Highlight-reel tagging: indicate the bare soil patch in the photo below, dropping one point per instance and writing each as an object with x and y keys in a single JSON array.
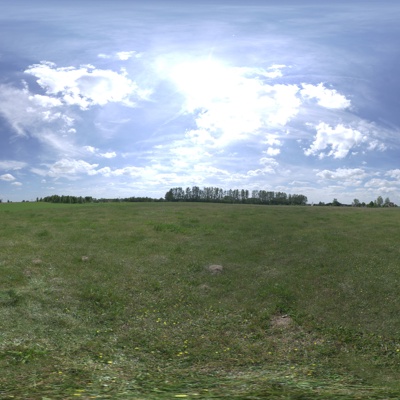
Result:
[
  {"x": 281, "y": 321},
  {"x": 215, "y": 269}
]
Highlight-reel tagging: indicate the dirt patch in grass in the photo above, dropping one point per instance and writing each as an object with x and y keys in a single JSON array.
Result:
[
  {"x": 215, "y": 269},
  {"x": 281, "y": 321}
]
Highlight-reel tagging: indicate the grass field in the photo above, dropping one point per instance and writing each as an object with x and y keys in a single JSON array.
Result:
[{"x": 115, "y": 301}]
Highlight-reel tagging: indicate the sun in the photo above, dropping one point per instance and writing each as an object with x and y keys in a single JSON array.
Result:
[{"x": 202, "y": 81}]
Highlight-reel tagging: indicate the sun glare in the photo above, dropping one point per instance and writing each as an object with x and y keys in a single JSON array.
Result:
[{"x": 203, "y": 80}]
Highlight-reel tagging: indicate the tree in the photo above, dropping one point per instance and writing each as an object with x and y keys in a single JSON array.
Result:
[
  {"x": 336, "y": 203},
  {"x": 387, "y": 202},
  {"x": 379, "y": 201},
  {"x": 356, "y": 203}
]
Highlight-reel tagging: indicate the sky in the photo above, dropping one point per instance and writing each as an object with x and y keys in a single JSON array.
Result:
[{"x": 132, "y": 98}]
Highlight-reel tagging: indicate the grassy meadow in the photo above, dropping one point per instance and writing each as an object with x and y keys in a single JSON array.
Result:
[{"x": 115, "y": 301}]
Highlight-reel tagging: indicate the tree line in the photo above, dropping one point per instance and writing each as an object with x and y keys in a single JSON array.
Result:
[
  {"x": 218, "y": 195},
  {"x": 379, "y": 202},
  {"x": 55, "y": 198}
]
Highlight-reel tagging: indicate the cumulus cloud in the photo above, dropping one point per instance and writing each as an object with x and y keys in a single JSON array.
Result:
[
  {"x": 394, "y": 173},
  {"x": 95, "y": 151},
  {"x": 272, "y": 140},
  {"x": 86, "y": 86},
  {"x": 376, "y": 183},
  {"x": 90, "y": 149},
  {"x": 383, "y": 185},
  {"x": 269, "y": 166},
  {"x": 126, "y": 55},
  {"x": 45, "y": 101},
  {"x": 69, "y": 168},
  {"x": 328, "y": 98},
  {"x": 345, "y": 176},
  {"x": 7, "y": 177},
  {"x": 339, "y": 139},
  {"x": 231, "y": 104},
  {"x": 273, "y": 151},
  {"x": 110, "y": 154},
  {"x": 16, "y": 183}
]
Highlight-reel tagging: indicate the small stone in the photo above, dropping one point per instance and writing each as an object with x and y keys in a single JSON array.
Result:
[{"x": 85, "y": 258}]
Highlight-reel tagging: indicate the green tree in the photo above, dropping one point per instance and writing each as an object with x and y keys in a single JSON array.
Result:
[
  {"x": 169, "y": 196},
  {"x": 379, "y": 201}
]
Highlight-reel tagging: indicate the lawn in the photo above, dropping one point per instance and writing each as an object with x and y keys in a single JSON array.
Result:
[{"x": 116, "y": 301}]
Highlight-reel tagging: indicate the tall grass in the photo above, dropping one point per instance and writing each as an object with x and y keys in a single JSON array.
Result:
[{"x": 116, "y": 301}]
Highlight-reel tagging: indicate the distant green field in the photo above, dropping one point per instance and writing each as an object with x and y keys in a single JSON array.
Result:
[{"x": 115, "y": 301}]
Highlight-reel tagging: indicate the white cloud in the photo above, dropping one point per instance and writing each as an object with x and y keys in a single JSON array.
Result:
[
  {"x": 105, "y": 171},
  {"x": 68, "y": 168},
  {"x": 125, "y": 55},
  {"x": 261, "y": 171},
  {"x": 328, "y": 98},
  {"x": 7, "y": 177},
  {"x": 90, "y": 149},
  {"x": 386, "y": 185},
  {"x": 272, "y": 140},
  {"x": 110, "y": 154},
  {"x": 29, "y": 117},
  {"x": 45, "y": 101},
  {"x": 394, "y": 173},
  {"x": 274, "y": 71},
  {"x": 150, "y": 175},
  {"x": 376, "y": 183},
  {"x": 339, "y": 139},
  {"x": 376, "y": 145},
  {"x": 86, "y": 86},
  {"x": 17, "y": 184},
  {"x": 187, "y": 153},
  {"x": 344, "y": 176},
  {"x": 95, "y": 151},
  {"x": 12, "y": 165},
  {"x": 120, "y": 55},
  {"x": 273, "y": 151},
  {"x": 14, "y": 104},
  {"x": 269, "y": 167},
  {"x": 231, "y": 104}
]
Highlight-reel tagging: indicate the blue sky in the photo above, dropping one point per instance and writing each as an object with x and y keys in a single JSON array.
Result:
[{"x": 129, "y": 98}]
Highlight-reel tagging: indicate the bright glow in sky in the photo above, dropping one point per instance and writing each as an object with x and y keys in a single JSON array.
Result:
[{"x": 121, "y": 99}]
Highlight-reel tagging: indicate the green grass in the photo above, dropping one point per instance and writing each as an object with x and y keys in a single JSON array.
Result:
[{"x": 115, "y": 301}]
